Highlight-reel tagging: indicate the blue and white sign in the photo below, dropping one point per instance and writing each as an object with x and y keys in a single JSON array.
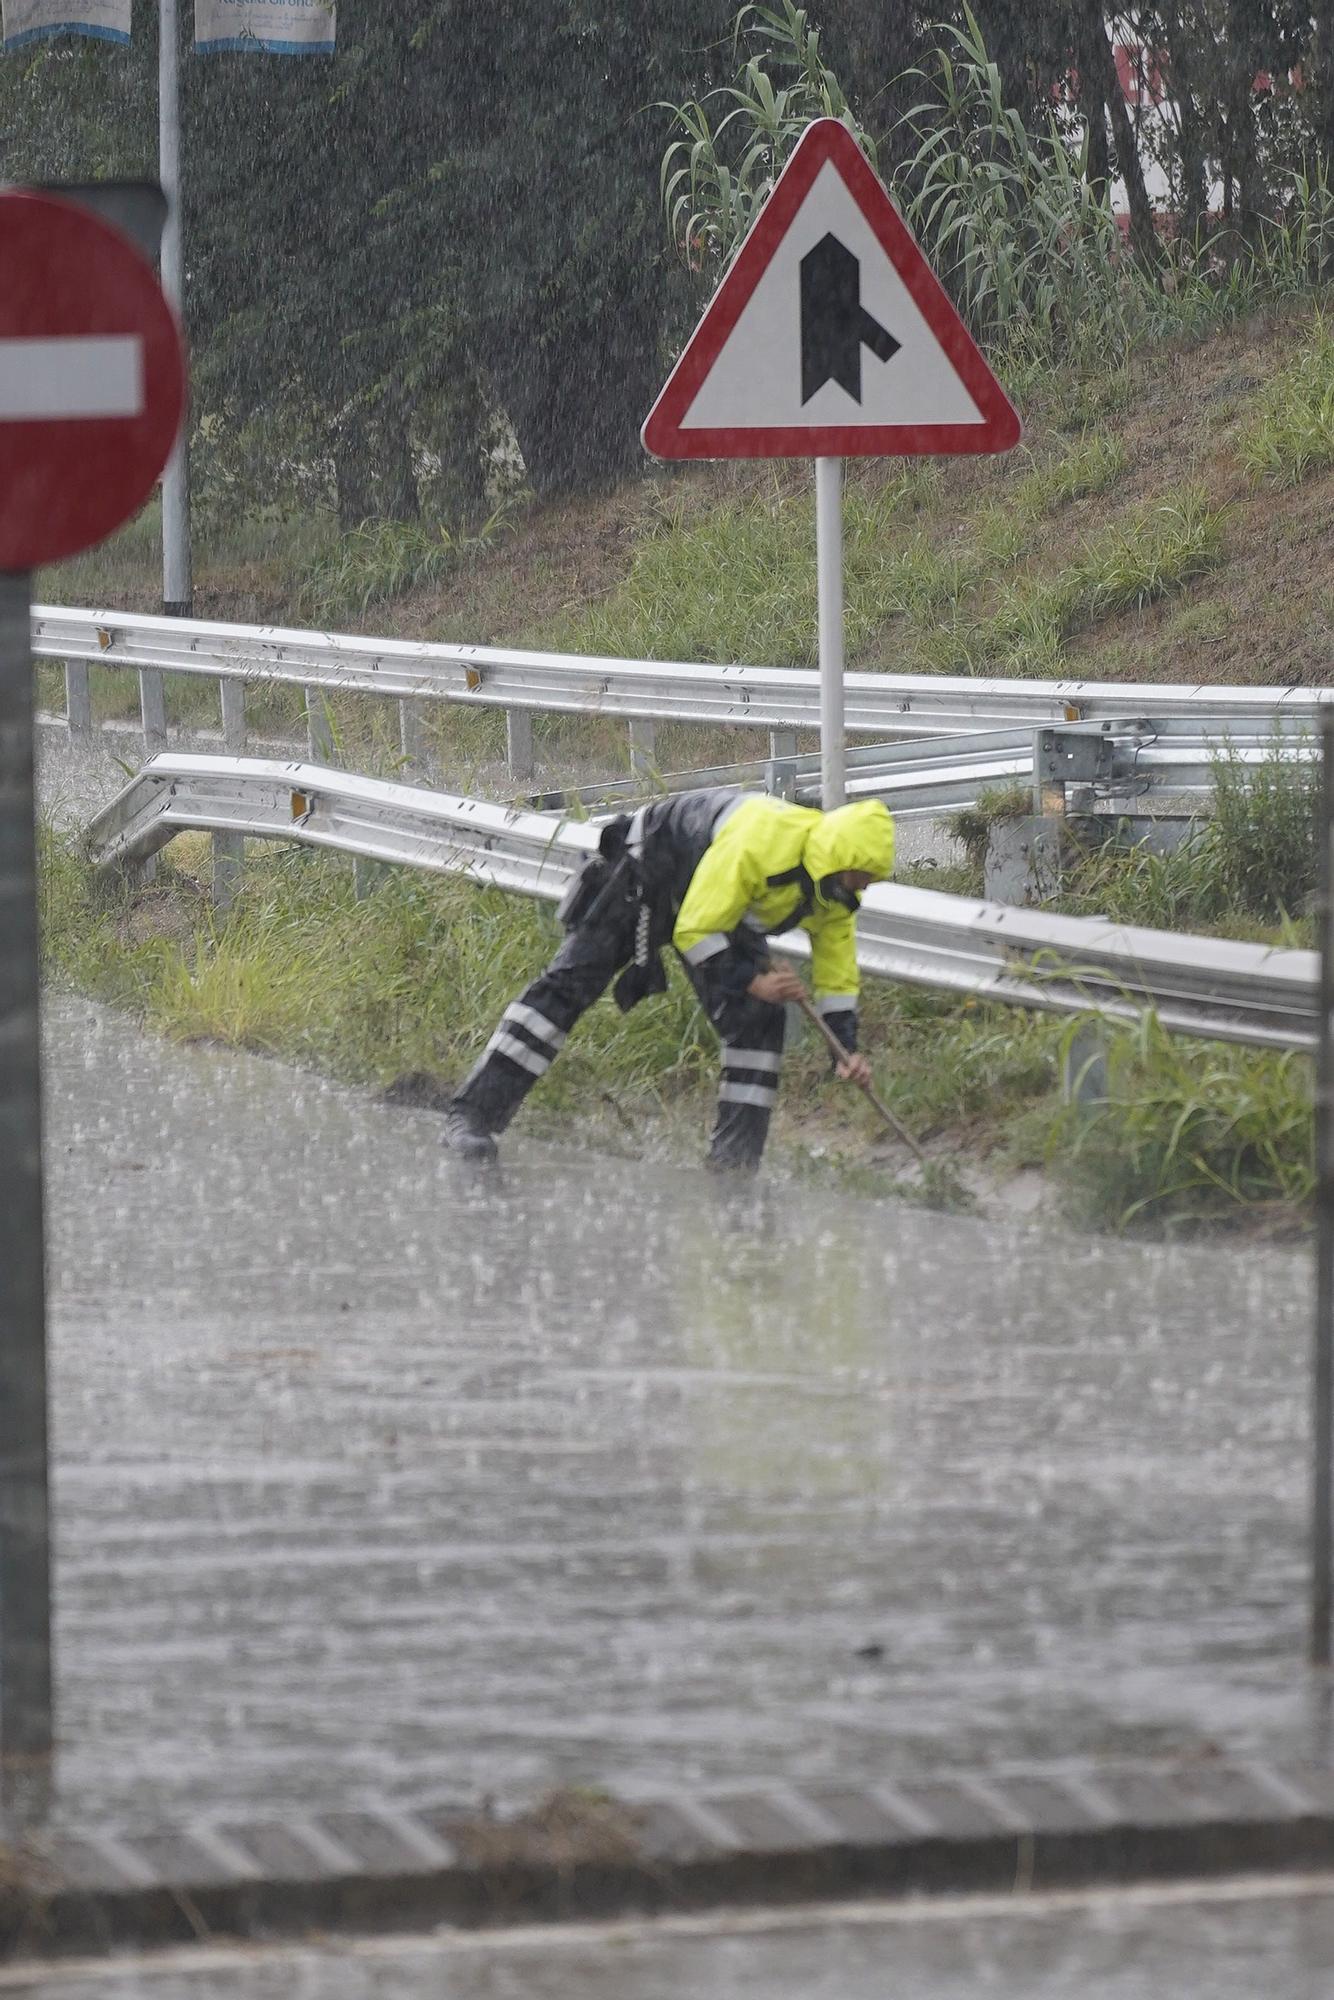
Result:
[
  {"x": 265, "y": 27},
  {"x": 37, "y": 20}
]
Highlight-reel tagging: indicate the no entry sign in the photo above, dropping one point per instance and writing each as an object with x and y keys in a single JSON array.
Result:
[{"x": 92, "y": 379}]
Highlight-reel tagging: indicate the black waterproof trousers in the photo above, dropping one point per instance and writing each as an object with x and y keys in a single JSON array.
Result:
[{"x": 533, "y": 1028}]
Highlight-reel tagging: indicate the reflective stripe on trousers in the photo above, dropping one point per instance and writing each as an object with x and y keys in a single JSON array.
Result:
[
  {"x": 533, "y": 1028},
  {"x": 752, "y": 1057}
]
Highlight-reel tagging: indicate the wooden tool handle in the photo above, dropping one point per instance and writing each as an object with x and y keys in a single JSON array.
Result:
[{"x": 840, "y": 1054}]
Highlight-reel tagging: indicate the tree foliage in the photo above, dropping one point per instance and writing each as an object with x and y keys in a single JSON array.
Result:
[{"x": 456, "y": 223}]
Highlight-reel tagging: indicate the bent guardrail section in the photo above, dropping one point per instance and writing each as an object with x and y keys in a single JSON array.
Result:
[{"x": 1211, "y": 987}]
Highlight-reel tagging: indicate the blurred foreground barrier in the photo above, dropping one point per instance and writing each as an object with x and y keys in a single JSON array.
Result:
[{"x": 1212, "y": 987}]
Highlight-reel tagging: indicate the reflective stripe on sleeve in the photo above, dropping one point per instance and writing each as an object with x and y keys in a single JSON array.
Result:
[
  {"x": 764, "y": 1095},
  {"x": 519, "y": 1052},
  {"x": 837, "y": 1003},
  {"x": 734, "y": 1058},
  {"x": 537, "y": 1024},
  {"x": 708, "y": 947}
]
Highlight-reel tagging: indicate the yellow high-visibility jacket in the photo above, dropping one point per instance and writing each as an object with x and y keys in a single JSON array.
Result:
[{"x": 748, "y": 880}]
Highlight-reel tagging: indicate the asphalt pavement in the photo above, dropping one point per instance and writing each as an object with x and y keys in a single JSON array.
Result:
[{"x": 375, "y": 1483}]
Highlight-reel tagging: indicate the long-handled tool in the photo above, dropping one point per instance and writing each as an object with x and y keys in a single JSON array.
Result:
[{"x": 840, "y": 1054}]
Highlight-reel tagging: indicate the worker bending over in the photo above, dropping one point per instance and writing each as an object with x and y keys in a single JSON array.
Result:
[{"x": 715, "y": 873}]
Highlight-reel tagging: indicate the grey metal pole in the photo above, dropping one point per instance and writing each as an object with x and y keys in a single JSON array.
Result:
[
  {"x": 1322, "y": 1456},
  {"x": 829, "y": 573},
  {"x": 25, "y": 1547},
  {"x": 177, "y": 582}
]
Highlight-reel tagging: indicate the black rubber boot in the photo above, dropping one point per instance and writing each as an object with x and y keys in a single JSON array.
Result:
[{"x": 467, "y": 1140}]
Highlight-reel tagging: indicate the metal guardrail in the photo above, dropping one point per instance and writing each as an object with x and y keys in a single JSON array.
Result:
[
  {"x": 779, "y": 699},
  {"x": 1211, "y": 987},
  {"x": 1102, "y": 767}
]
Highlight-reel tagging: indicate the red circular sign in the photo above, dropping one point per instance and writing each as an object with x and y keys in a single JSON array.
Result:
[{"x": 92, "y": 379}]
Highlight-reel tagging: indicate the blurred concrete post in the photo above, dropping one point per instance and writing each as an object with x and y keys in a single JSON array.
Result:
[
  {"x": 25, "y": 1547},
  {"x": 1322, "y": 1414},
  {"x": 177, "y": 579}
]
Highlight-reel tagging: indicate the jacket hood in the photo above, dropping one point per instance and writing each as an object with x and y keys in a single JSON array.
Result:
[{"x": 858, "y": 836}]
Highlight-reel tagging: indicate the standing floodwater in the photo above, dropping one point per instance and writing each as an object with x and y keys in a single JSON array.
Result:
[{"x": 373, "y": 1480}]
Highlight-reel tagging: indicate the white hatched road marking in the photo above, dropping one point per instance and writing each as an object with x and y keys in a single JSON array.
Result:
[{"x": 71, "y": 376}]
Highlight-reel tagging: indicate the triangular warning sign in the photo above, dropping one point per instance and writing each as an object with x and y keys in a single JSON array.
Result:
[{"x": 830, "y": 335}]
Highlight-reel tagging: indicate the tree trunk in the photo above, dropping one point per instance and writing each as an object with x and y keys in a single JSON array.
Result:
[
  {"x": 1324, "y": 84},
  {"x": 1192, "y": 151},
  {"x": 1092, "y": 95},
  {"x": 1245, "y": 60},
  {"x": 399, "y": 499},
  {"x": 352, "y": 468},
  {"x": 1143, "y": 235}
]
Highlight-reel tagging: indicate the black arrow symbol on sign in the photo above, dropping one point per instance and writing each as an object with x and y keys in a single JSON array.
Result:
[{"x": 835, "y": 326}]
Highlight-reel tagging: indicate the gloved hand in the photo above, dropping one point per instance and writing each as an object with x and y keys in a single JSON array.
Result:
[{"x": 778, "y": 984}]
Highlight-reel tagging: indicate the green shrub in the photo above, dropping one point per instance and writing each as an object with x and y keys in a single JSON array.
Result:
[
  {"x": 1188, "y": 1133},
  {"x": 1293, "y": 433},
  {"x": 383, "y": 559},
  {"x": 716, "y": 176},
  {"x": 1008, "y": 218},
  {"x": 1263, "y": 838},
  {"x": 1253, "y": 858},
  {"x": 1091, "y": 465}
]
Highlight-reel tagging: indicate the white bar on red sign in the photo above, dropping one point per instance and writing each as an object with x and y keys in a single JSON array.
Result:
[{"x": 83, "y": 375}]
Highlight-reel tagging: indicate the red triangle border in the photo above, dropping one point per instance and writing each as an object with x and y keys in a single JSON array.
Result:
[{"x": 829, "y": 140}]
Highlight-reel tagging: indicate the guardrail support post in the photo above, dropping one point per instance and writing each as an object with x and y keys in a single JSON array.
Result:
[
  {"x": 783, "y": 784},
  {"x": 643, "y": 754},
  {"x": 1084, "y": 1065},
  {"x": 412, "y": 736},
  {"x": 319, "y": 728},
  {"x": 367, "y": 874},
  {"x": 78, "y": 698},
  {"x": 232, "y": 696},
  {"x": 228, "y": 859},
  {"x": 229, "y": 848},
  {"x": 153, "y": 710},
  {"x": 519, "y": 742},
  {"x": 1322, "y": 1425},
  {"x": 26, "y": 1706}
]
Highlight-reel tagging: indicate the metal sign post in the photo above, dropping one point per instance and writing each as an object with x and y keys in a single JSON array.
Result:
[
  {"x": 92, "y": 390},
  {"x": 177, "y": 579},
  {"x": 25, "y": 1552},
  {"x": 829, "y": 572},
  {"x": 1322, "y": 1456}
]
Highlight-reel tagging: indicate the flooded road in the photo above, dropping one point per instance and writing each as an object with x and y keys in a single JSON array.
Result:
[{"x": 377, "y": 1481}]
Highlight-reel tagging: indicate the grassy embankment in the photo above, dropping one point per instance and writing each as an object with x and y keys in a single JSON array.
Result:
[{"x": 1164, "y": 522}]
